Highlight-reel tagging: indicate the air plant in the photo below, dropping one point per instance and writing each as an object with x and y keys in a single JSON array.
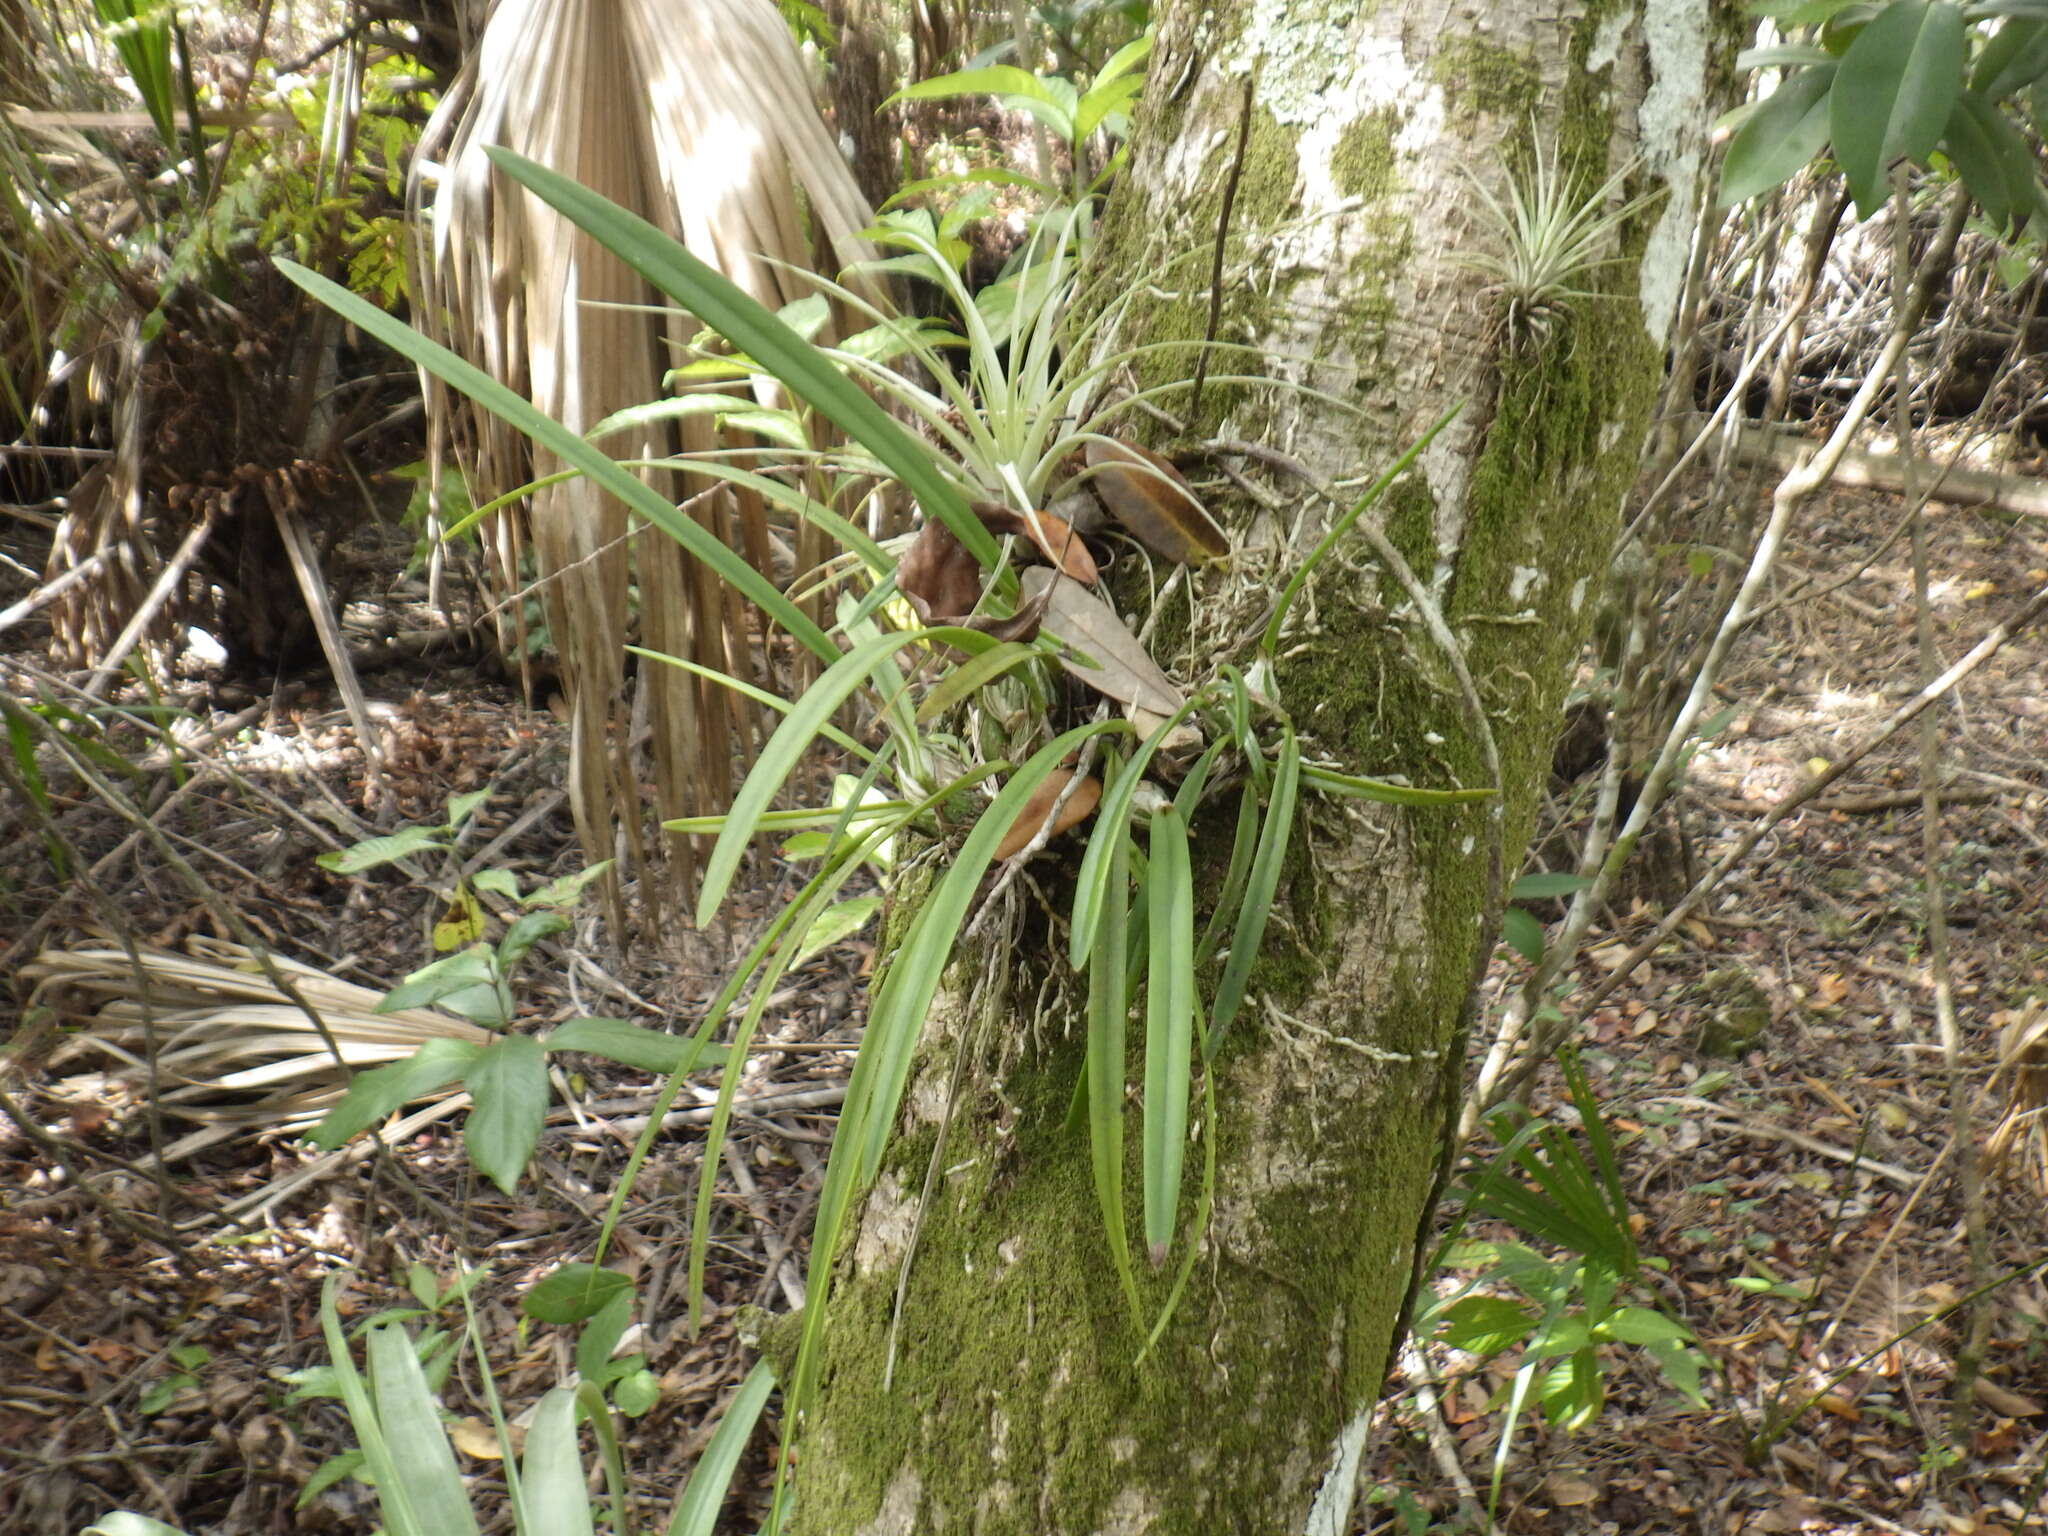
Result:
[{"x": 1551, "y": 235}]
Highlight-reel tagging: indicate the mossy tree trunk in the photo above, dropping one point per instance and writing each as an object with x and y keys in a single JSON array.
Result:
[{"x": 1014, "y": 1404}]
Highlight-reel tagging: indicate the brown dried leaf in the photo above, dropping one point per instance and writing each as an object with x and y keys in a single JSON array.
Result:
[
  {"x": 1079, "y": 807},
  {"x": 1049, "y": 533},
  {"x": 1153, "y": 500},
  {"x": 1122, "y": 671},
  {"x": 937, "y": 576}
]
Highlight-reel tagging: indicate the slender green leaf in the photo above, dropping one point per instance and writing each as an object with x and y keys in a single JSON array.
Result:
[
  {"x": 1169, "y": 1024},
  {"x": 2014, "y": 59},
  {"x": 1243, "y": 846},
  {"x": 1894, "y": 91},
  {"x": 1263, "y": 882},
  {"x": 903, "y": 1001},
  {"x": 518, "y": 413},
  {"x": 1269, "y": 646},
  {"x": 1356, "y": 787},
  {"x": 974, "y": 674},
  {"x": 1111, "y": 818},
  {"x": 792, "y": 739},
  {"x": 373, "y": 1095},
  {"x": 1546, "y": 883},
  {"x": 509, "y": 1083},
  {"x": 757, "y": 332},
  {"x": 837, "y": 923},
  {"x": 703, "y": 1497},
  {"x": 1108, "y": 1021}
]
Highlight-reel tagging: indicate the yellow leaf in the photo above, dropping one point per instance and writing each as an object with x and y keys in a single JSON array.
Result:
[
  {"x": 473, "y": 1437},
  {"x": 461, "y": 924},
  {"x": 1817, "y": 766},
  {"x": 1980, "y": 590}
]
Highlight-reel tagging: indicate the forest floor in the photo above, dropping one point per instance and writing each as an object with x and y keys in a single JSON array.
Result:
[{"x": 1774, "y": 1076}]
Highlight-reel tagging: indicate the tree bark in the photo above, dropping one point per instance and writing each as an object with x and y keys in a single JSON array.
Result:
[{"x": 1014, "y": 1404}]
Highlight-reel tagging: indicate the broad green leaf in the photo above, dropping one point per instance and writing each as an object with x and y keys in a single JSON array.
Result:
[
  {"x": 551, "y": 1473},
  {"x": 1170, "y": 1004},
  {"x": 636, "y": 1392},
  {"x": 1102, "y": 101},
  {"x": 1681, "y": 1367},
  {"x": 509, "y": 1083},
  {"x": 1263, "y": 882},
  {"x": 1993, "y": 158},
  {"x": 1894, "y": 91},
  {"x": 410, "y": 1421},
  {"x": 837, "y": 923},
  {"x": 448, "y": 982},
  {"x": 703, "y": 1497},
  {"x": 373, "y": 1095},
  {"x": 1781, "y": 56},
  {"x": 1103, "y": 1068},
  {"x": 566, "y": 890},
  {"x": 630, "y": 1045},
  {"x": 1641, "y": 1325},
  {"x": 1485, "y": 1325},
  {"x": 373, "y": 851},
  {"x": 526, "y": 931},
  {"x": 462, "y": 806},
  {"x": 1522, "y": 933},
  {"x": 515, "y": 411},
  {"x": 499, "y": 882},
  {"x": 1782, "y": 136},
  {"x": 572, "y": 1293},
  {"x": 747, "y": 325},
  {"x": 2014, "y": 59},
  {"x": 601, "y": 1335},
  {"x": 1124, "y": 60}
]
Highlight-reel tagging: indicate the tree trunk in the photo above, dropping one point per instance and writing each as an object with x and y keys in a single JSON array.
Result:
[{"x": 1015, "y": 1404}]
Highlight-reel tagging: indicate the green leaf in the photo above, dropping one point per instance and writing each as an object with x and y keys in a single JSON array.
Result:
[
  {"x": 1522, "y": 933},
  {"x": 903, "y": 1001},
  {"x": 1169, "y": 1023},
  {"x": 636, "y": 1392},
  {"x": 1782, "y": 136},
  {"x": 1681, "y": 1367},
  {"x": 462, "y": 806},
  {"x": 837, "y": 923},
  {"x": 1103, "y": 1069},
  {"x": 2014, "y": 59},
  {"x": 792, "y": 739},
  {"x": 1352, "y": 786},
  {"x": 551, "y": 1473},
  {"x": 568, "y": 889},
  {"x": 630, "y": 1045},
  {"x": 747, "y": 325},
  {"x": 526, "y": 931},
  {"x": 372, "y": 851},
  {"x": 1641, "y": 1325},
  {"x": 373, "y": 1095},
  {"x": 1993, "y": 158},
  {"x": 1112, "y": 816},
  {"x": 573, "y": 1293},
  {"x": 509, "y": 1083},
  {"x": 703, "y": 1496},
  {"x": 974, "y": 674},
  {"x": 464, "y": 983},
  {"x": 499, "y": 882},
  {"x": 1485, "y": 1325},
  {"x": 515, "y": 411},
  {"x": 1894, "y": 91},
  {"x": 1263, "y": 882},
  {"x": 1545, "y": 884},
  {"x": 410, "y": 1422},
  {"x": 601, "y": 1335},
  {"x": 326, "y": 1475}
]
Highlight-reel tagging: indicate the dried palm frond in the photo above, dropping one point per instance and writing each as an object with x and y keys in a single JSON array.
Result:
[
  {"x": 2023, "y": 1066},
  {"x": 230, "y": 1048},
  {"x": 699, "y": 118}
]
